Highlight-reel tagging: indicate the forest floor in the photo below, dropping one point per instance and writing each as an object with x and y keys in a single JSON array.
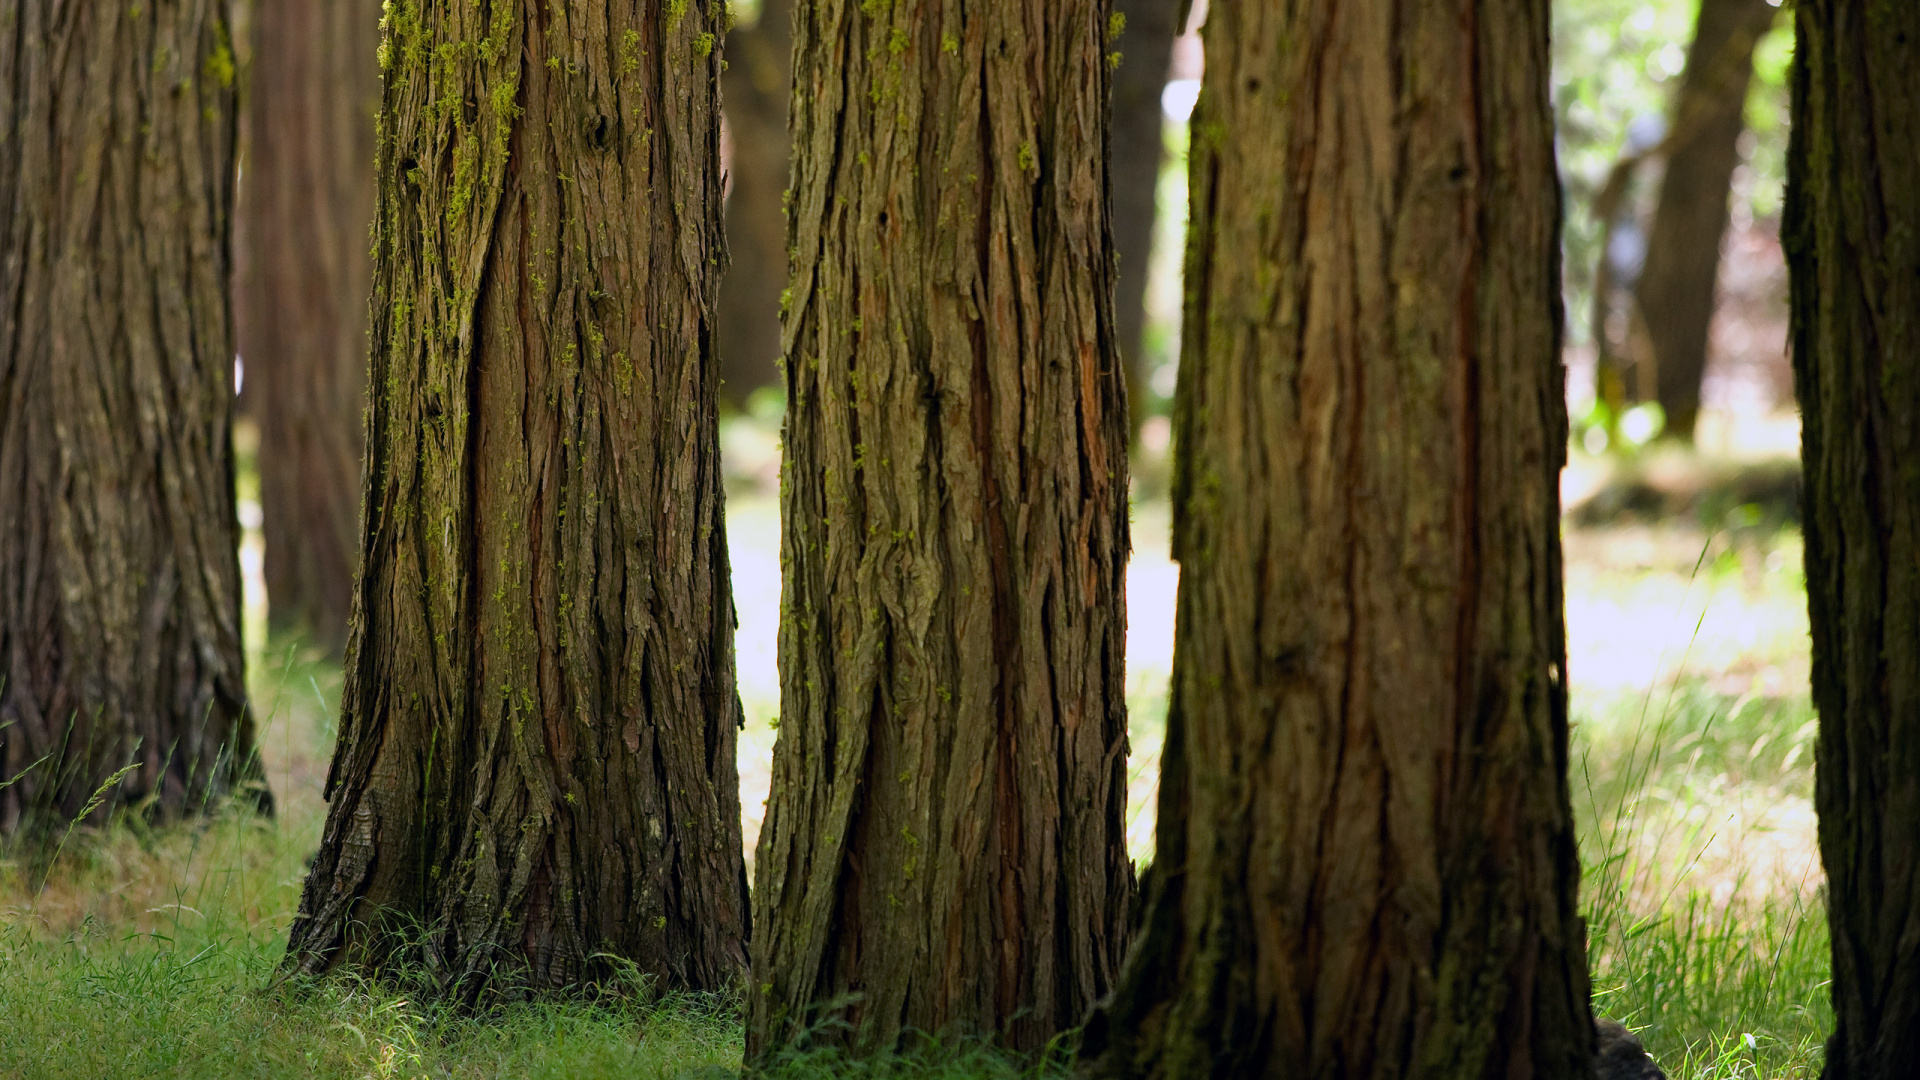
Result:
[{"x": 141, "y": 952}]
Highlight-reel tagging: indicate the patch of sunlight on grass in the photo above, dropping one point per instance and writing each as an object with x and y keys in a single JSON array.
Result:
[{"x": 1692, "y": 786}]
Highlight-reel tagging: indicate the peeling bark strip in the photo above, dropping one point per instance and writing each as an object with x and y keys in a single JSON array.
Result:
[
  {"x": 944, "y": 840},
  {"x": 119, "y": 573},
  {"x": 1366, "y": 861},
  {"x": 536, "y": 760},
  {"x": 301, "y": 300},
  {"x": 1852, "y": 237}
]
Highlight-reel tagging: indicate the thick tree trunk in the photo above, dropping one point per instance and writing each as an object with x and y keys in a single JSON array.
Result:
[
  {"x": 944, "y": 845},
  {"x": 119, "y": 572},
  {"x": 306, "y": 201},
  {"x": 536, "y": 760},
  {"x": 1146, "y": 48},
  {"x": 1852, "y": 236},
  {"x": 1365, "y": 862},
  {"x": 759, "y": 65},
  {"x": 1676, "y": 286}
]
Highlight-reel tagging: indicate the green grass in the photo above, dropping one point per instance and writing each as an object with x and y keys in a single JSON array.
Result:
[
  {"x": 150, "y": 953},
  {"x": 1692, "y": 785}
]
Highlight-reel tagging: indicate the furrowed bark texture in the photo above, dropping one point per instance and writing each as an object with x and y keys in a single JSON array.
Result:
[
  {"x": 1365, "y": 862},
  {"x": 536, "y": 759},
  {"x": 759, "y": 65},
  {"x": 1676, "y": 287},
  {"x": 1146, "y": 48},
  {"x": 119, "y": 571},
  {"x": 1852, "y": 237},
  {"x": 306, "y": 202},
  {"x": 943, "y": 848}
]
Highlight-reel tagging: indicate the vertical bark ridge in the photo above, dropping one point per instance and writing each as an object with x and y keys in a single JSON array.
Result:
[
  {"x": 536, "y": 764},
  {"x": 1851, "y": 231},
  {"x": 1365, "y": 862},
  {"x": 119, "y": 575},
  {"x": 944, "y": 844}
]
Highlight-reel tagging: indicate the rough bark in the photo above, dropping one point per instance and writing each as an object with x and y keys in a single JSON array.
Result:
[
  {"x": 944, "y": 845},
  {"x": 306, "y": 202},
  {"x": 1146, "y": 48},
  {"x": 1676, "y": 287},
  {"x": 1365, "y": 860},
  {"x": 1852, "y": 237},
  {"x": 759, "y": 65},
  {"x": 119, "y": 574},
  {"x": 536, "y": 758}
]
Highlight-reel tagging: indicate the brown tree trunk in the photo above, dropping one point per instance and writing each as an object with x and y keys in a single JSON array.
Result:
[
  {"x": 759, "y": 64},
  {"x": 306, "y": 201},
  {"x": 536, "y": 759},
  {"x": 944, "y": 845},
  {"x": 1852, "y": 237},
  {"x": 1365, "y": 857},
  {"x": 1146, "y": 48},
  {"x": 1676, "y": 286},
  {"x": 119, "y": 572}
]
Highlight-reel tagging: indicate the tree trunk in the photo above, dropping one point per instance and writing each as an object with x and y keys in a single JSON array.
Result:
[
  {"x": 1146, "y": 48},
  {"x": 1365, "y": 856},
  {"x": 306, "y": 202},
  {"x": 1852, "y": 237},
  {"x": 119, "y": 569},
  {"x": 1676, "y": 286},
  {"x": 536, "y": 759},
  {"x": 759, "y": 64},
  {"x": 944, "y": 845}
]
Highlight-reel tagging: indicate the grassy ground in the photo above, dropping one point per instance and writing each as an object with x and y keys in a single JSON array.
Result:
[{"x": 146, "y": 953}]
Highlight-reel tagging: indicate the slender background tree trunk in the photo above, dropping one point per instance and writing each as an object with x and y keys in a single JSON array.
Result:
[
  {"x": 1365, "y": 860},
  {"x": 1852, "y": 237},
  {"x": 1675, "y": 291},
  {"x": 759, "y": 64},
  {"x": 119, "y": 573},
  {"x": 1146, "y": 48},
  {"x": 536, "y": 760},
  {"x": 306, "y": 202},
  {"x": 944, "y": 846}
]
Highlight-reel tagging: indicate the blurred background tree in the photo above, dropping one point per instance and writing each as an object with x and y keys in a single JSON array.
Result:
[
  {"x": 753, "y": 91},
  {"x": 300, "y": 299},
  {"x": 1646, "y": 118}
]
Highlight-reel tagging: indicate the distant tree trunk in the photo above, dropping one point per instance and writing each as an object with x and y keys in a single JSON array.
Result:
[
  {"x": 536, "y": 759},
  {"x": 119, "y": 572},
  {"x": 944, "y": 846},
  {"x": 1676, "y": 287},
  {"x": 759, "y": 64},
  {"x": 1146, "y": 48},
  {"x": 1852, "y": 237},
  {"x": 1365, "y": 862},
  {"x": 306, "y": 202}
]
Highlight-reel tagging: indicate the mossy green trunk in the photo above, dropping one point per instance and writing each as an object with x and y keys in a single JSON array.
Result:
[
  {"x": 1675, "y": 293},
  {"x": 943, "y": 848},
  {"x": 759, "y": 65},
  {"x": 1365, "y": 860},
  {"x": 306, "y": 202},
  {"x": 119, "y": 569},
  {"x": 536, "y": 759},
  {"x": 1852, "y": 237}
]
